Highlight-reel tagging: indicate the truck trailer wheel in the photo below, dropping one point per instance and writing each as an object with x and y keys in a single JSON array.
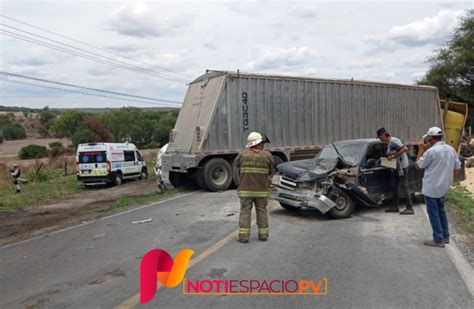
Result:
[
  {"x": 278, "y": 160},
  {"x": 201, "y": 182},
  {"x": 344, "y": 205},
  {"x": 176, "y": 179},
  {"x": 217, "y": 174},
  {"x": 235, "y": 175}
]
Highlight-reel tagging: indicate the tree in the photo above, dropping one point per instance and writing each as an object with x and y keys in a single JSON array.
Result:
[
  {"x": 46, "y": 120},
  {"x": 83, "y": 136},
  {"x": 4, "y": 120},
  {"x": 68, "y": 123},
  {"x": 452, "y": 67},
  {"x": 98, "y": 127},
  {"x": 13, "y": 131}
]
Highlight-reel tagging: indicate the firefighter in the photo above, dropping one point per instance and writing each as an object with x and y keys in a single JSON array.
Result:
[
  {"x": 255, "y": 165},
  {"x": 15, "y": 172}
]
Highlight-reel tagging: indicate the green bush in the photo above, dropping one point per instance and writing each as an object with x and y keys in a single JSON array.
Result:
[
  {"x": 32, "y": 152},
  {"x": 13, "y": 131},
  {"x": 55, "y": 145},
  {"x": 83, "y": 136}
]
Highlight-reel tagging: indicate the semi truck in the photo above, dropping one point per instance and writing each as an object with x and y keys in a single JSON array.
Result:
[{"x": 299, "y": 115}]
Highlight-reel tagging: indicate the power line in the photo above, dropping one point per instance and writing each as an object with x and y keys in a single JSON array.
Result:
[
  {"x": 90, "y": 45},
  {"x": 163, "y": 101},
  {"x": 81, "y": 92},
  {"x": 113, "y": 62}
]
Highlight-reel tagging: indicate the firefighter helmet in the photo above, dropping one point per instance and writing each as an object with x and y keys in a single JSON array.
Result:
[{"x": 254, "y": 139}]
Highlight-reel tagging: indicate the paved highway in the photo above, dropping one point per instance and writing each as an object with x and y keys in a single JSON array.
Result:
[{"x": 371, "y": 260}]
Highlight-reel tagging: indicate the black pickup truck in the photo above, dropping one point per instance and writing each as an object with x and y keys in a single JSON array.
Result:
[{"x": 342, "y": 174}]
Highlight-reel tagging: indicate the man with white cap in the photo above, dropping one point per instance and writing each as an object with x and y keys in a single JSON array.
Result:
[
  {"x": 441, "y": 165},
  {"x": 254, "y": 164}
]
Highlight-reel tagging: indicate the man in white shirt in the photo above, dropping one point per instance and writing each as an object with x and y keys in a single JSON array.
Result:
[{"x": 441, "y": 165}]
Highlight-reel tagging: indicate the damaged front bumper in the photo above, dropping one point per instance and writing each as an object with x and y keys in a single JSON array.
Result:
[{"x": 299, "y": 198}]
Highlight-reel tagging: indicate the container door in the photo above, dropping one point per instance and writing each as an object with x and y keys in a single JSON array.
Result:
[{"x": 197, "y": 111}]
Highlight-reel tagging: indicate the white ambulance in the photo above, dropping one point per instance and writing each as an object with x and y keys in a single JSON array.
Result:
[{"x": 104, "y": 163}]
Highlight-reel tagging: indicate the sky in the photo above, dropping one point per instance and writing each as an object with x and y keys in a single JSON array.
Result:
[{"x": 176, "y": 41}]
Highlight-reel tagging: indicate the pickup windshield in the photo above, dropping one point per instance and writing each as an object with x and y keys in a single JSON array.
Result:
[{"x": 351, "y": 151}]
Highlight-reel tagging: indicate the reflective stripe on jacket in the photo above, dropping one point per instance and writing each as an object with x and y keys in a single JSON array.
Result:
[{"x": 254, "y": 169}]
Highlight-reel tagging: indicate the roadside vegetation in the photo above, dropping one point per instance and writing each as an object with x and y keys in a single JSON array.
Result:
[
  {"x": 460, "y": 204},
  {"x": 48, "y": 185},
  {"x": 147, "y": 199}
]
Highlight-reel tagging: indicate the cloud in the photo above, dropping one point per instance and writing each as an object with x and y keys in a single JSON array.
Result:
[
  {"x": 281, "y": 59},
  {"x": 428, "y": 30},
  {"x": 304, "y": 11},
  {"x": 140, "y": 21}
]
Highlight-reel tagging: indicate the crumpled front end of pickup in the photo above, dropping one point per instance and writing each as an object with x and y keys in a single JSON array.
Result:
[{"x": 285, "y": 191}]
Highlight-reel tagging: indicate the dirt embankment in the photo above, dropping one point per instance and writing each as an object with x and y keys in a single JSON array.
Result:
[
  {"x": 92, "y": 204},
  {"x": 11, "y": 148}
]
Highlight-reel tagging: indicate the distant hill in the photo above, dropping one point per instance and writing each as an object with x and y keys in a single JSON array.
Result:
[{"x": 15, "y": 109}]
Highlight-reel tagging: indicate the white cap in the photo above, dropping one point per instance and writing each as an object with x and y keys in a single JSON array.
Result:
[{"x": 434, "y": 131}]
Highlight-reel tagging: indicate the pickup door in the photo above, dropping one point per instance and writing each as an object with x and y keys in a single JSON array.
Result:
[{"x": 375, "y": 178}]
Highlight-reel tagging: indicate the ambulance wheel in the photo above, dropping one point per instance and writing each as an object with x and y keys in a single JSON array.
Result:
[
  {"x": 143, "y": 174},
  {"x": 118, "y": 179},
  {"x": 217, "y": 174}
]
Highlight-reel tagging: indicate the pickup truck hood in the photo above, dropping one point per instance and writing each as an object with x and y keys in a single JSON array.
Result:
[{"x": 308, "y": 170}]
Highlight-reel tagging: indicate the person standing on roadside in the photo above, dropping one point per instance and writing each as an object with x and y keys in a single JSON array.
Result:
[
  {"x": 396, "y": 150},
  {"x": 15, "y": 172},
  {"x": 441, "y": 165},
  {"x": 254, "y": 164}
]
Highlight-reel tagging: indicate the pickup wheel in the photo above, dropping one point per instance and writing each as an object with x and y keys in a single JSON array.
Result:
[
  {"x": 290, "y": 207},
  {"x": 344, "y": 205},
  {"x": 217, "y": 174}
]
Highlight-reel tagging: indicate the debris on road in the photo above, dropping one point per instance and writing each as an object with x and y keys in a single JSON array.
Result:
[
  {"x": 142, "y": 221},
  {"x": 97, "y": 236}
]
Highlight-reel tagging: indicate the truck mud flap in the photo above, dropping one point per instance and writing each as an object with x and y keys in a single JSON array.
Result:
[{"x": 359, "y": 195}]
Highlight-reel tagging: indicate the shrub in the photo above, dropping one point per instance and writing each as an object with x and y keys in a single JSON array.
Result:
[
  {"x": 13, "y": 131},
  {"x": 32, "y": 152}
]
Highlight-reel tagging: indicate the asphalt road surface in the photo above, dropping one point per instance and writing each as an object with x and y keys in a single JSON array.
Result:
[{"x": 371, "y": 260}]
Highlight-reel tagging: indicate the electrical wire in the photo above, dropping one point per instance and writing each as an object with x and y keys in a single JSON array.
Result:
[
  {"x": 82, "y": 55},
  {"x": 154, "y": 100},
  {"x": 90, "y": 45}
]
